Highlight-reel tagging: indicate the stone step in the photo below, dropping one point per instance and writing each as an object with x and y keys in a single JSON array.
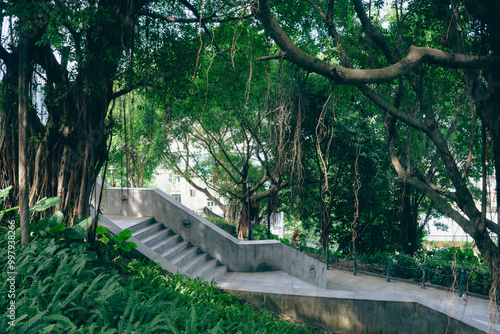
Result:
[
  {"x": 199, "y": 260},
  {"x": 156, "y": 237},
  {"x": 185, "y": 256},
  {"x": 167, "y": 243},
  {"x": 203, "y": 268},
  {"x": 180, "y": 252},
  {"x": 145, "y": 223},
  {"x": 215, "y": 273},
  {"x": 171, "y": 253},
  {"x": 147, "y": 230}
]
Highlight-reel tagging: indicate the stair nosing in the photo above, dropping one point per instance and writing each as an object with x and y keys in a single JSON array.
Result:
[
  {"x": 147, "y": 222},
  {"x": 212, "y": 273},
  {"x": 196, "y": 261},
  {"x": 165, "y": 241},
  {"x": 155, "y": 235},
  {"x": 187, "y": 252},
  {"x": 203, "y": 269},
  {"x": 137, "y": 234},
  {"x": 171, "y": 250}
]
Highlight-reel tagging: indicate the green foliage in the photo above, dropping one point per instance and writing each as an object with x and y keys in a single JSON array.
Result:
[
  {"x": 465, "y": 255},
  {"x": 443, "y": 267},
  {"x": 63, "y": 286},
  {"x": 221, "y": 222},
  {"x": 120, "y": 240},
  {"x": 42, "y": 205}
]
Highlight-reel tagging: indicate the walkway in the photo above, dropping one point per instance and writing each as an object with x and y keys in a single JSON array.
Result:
[{"x": 343, "y": 284}]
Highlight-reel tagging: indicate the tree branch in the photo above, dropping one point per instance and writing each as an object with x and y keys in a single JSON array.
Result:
[{"x": 416, "y": 56}]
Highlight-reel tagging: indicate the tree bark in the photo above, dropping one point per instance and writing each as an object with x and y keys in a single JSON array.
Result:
[{"x": 24, "y": 80}]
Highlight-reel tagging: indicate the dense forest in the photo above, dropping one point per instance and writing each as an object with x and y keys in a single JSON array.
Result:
[{"x": 357, "y": 118}]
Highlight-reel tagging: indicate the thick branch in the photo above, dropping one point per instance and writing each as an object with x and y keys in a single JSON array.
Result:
[{"x": 415, "y": 56}]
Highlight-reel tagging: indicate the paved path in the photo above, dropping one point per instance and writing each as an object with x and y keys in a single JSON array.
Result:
[{"x": 343, "y": 284}]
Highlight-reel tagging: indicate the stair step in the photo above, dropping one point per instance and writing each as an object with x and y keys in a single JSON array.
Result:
[
  {"x": 214, "y": 274},
  {"x": 199, "y": 260},
  {"x": 203, "y": 268},
  {"x": 143, "y": 224},
  {"x": 169, "y": 254},
  {"x": 156, "y": 237},
  {"x": 147, "y": 230},
  {"x": 167, "y": 243},
  {"x": 185, "y": 256}
]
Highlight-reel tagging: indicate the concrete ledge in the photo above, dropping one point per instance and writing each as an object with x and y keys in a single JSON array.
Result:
[
  {"x": 237, "y": 255},
  {"x": 350, "y": 312}
]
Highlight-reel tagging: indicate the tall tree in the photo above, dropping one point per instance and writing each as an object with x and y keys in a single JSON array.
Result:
[
  {"x": 85, "y": 54},
  {"x": 24, "y": 79},
  {"x": 456, "y": 199}
]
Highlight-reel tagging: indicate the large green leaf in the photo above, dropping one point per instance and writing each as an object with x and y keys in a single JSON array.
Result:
[
  {"x": 57, "y": 218},
  {"x": 57, "y": 228},
  {"x": 5, "y": 192},
  {"x": 123, "y": 236},
  {"x": 44, "y": 204},
  {"x": 85, "y": 222}
]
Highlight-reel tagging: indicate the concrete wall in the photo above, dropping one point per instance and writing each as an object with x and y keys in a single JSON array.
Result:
[
  {"x": 345, "y": 314},
  {"x": 245, "y": 256}
]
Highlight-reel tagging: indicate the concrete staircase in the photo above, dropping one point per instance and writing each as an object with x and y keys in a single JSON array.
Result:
[{"x": 179, "y": 252}]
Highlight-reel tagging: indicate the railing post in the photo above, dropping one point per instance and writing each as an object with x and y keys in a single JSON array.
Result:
[
  {"x": 389, "y": 269},
  {"x": 461, "y": 291},
  {"x": 355, "y": 262},
  {"x": 425, "y": 275}
]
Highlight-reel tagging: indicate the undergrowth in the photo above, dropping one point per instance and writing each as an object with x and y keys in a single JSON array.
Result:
[{"x": 63, "y": 285}]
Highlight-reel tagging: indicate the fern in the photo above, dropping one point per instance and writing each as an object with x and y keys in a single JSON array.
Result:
[
  {"x": 93, "y": 288},
  {"x": 73, "y": 295},
  {"x": 191, "y": 322}
]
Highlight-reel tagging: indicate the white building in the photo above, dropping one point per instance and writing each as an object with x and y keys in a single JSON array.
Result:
[{"x": 183, "y": 192}]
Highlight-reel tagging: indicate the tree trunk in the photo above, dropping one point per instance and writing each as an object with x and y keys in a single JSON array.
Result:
[
  {"x": 242, "y": 227},
  {"x": 24, "y": 80},
  {"x": 408, "y": 224}
]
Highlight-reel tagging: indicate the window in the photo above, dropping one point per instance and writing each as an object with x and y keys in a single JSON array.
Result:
[
  {"x": 192, "y": 192},
  {"x": 177, "y": 198},
  {"x": 210, "y": 203},
  {"x": 170, "y": 177}
]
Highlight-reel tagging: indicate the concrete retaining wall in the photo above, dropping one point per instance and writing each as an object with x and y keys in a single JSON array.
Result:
[
  {"x": 244, "y": 256},
  {"x": 347, "y": 315}
]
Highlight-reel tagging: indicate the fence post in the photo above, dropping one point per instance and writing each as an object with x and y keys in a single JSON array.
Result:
[
  {"x": 425, "y": 275},
  {"x": 355, "y": 264},
  {"x": 389, "y": 269},
  {"x": 461, "y": 291}
]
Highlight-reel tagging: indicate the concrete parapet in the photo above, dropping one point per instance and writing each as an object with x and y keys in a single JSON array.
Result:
[
  {"x": 238, "y": 255},
  {"x": 349, "y": 313}
]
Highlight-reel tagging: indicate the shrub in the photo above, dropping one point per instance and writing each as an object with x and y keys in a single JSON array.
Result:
[{"x": 220, "y": 222}]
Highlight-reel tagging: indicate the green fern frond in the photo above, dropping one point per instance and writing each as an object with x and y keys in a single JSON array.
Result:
[
  {"x": 93, "y": 287},
  {"x": 25, "y": 327},
  {"x": 62, "y": 321},
  {"x": 73, "y": 295},
  {"x": 192, "y": 321},
  {"x": 63, "y": 288}
]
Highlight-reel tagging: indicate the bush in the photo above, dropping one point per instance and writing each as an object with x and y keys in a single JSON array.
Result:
[
  {"x": 220, "y": 222},
  {"x": 443, "y": 267}
]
